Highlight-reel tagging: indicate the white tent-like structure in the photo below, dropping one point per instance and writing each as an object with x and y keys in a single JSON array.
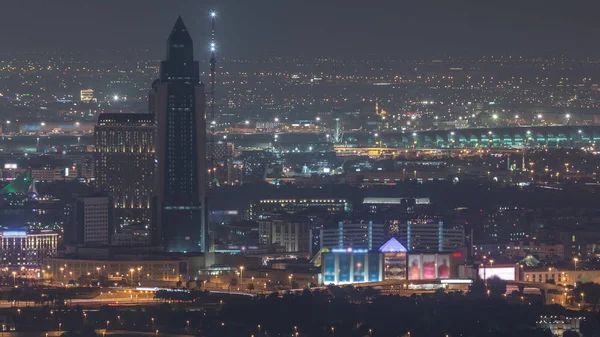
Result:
[{"x": 392, "y": 246}]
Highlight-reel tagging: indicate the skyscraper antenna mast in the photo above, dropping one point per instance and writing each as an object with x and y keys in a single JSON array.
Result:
[
  {"x": 213, "y": 163},
  {"x": 213, "y": 67}
]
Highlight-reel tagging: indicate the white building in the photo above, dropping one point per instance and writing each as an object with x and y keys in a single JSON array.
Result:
[
  {"x": 365, "y": 235},
  {"x": 430, "y": 235},
  {"x": 92, "y": 220},
  {"x": 293, "y": 236}
]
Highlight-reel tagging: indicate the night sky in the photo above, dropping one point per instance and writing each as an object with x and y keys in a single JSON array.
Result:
[{"x": 339, "y": 28}]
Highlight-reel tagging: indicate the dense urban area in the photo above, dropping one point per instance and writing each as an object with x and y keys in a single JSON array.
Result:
[{"x": 303, "y": 196}]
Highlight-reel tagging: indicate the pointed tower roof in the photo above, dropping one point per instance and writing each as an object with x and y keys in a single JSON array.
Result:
[
  {"x": 179, "y": 32},
  {"x": 180, "y": 51},
  {"x": 393, "y": 246}
]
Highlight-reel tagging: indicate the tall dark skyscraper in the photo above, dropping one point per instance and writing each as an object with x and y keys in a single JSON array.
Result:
[{"x": 178, "y": 103}]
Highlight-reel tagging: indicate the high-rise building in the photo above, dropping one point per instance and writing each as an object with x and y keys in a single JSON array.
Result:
[
  {"x": 125, "y": 154},
  {"x": 430, "y": 235},
  {"x": 92, "y": 220},
  {"x": 178, "y": 103},
  {"x": 363, "y": 235}
]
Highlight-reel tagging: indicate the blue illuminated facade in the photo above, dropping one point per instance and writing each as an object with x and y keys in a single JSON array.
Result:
[{"x": 344, "y": 266}]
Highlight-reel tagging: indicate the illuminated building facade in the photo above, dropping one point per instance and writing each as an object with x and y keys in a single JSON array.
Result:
[
  {"x": 558, "y": 325},
  {"x": 124, "y": 166},
  {"x": 430, "y": 235},
  {"x": 116, "y": 270},
  {"x": 20, "y": 247},
  {"x": 293, "y": 205},
  {"x": 87, "y": 95},
  {"x": 343, "y": 266},
  {"x": 364, "y": 235}
]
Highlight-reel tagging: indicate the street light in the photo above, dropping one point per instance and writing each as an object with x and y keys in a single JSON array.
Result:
[
  {"x": 575, "y": 260},
  {"x": 131, "y": 271},
  {"x": 241, "y": 274}
]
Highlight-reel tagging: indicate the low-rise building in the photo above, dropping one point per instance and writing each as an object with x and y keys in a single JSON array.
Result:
[
  {"x": 520, "y": 249},
  {"x": 22, "y": 247}
]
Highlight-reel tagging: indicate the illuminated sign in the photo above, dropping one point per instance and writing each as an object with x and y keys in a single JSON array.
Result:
[
  {"x": 349, "y": 250},
  {"x": 14, "y": 233},
  {"x": 456, "y": 281},
  {"x": 503, "y": 273},
  {"x": 10, "y": 166}
]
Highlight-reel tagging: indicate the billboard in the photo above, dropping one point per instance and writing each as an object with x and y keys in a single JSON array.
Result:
[
  {"x": 414, "y": 267},
  {"x": 429, "y": 266},
  {"x": 443, "y": 266},
  {"x": 395, "y": 266},
  {"x": 503, "y": 273}
]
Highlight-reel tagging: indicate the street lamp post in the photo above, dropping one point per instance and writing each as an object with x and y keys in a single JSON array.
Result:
[
  {"x": 241, "y": 274},
  {"x": 575, "y": 260}
]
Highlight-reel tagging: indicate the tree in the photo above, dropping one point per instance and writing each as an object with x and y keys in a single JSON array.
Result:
[
  {"x": 250, "y": 286},
  {"x": 477, "y": 289},
  {"x": 233, "y": 282},
  {"x": 496, "y": 286}
]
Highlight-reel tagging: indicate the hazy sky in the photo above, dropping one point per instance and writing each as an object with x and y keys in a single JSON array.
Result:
[{"x": 305, "y": 27}]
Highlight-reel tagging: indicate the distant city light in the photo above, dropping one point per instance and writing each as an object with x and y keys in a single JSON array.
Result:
[
  {"x": 318, "y": 119},
  {"x": 568, "y": 116},
  {"x": 115, "y": 97},
  {"x": 376, "y": 135},
  {"x": 539, "y": 116},
  {"x": 42, "y": 124},
  {"x": 276, "y": 119},
  {"x": 495, "y": 116},
  {"x": 213, "y": 14},
  {"x": 517, "y": 116},
  {"x": 7, "y": 122},
  {"x": 247, "y": 122}
]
